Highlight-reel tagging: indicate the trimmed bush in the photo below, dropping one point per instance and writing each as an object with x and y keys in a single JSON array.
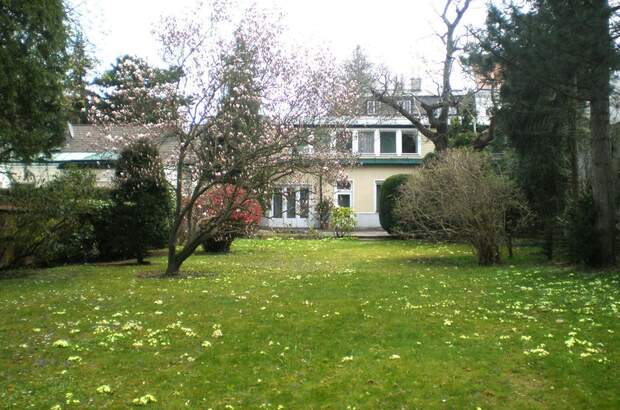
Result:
[
  {"x": 342, "y": 221},
  {"x": 390, "y": 192}
]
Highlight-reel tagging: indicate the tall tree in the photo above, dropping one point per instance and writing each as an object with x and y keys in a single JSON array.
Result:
[
  {"x": 80, "y": 63},
  {"x": 532, "y": 45},
  {"x": 533, "y": 116},
  {"x": 360, "y": 75},
  {"x": 33, "y": 40},
  {"x": 142, "y": 200}
]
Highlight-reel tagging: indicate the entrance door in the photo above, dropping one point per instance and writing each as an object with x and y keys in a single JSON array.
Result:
[{"x": 290, "y": 207}]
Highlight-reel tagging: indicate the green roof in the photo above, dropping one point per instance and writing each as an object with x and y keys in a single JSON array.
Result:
[{"x": 390, "y": 161}]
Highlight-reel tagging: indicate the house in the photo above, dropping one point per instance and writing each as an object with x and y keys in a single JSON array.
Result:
[
  {"x": 384, "y": 143},
  {"x": 85, "y": 146}
]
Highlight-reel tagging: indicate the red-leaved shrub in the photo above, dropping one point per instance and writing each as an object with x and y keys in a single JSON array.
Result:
[{"x": 244, "y": 218}]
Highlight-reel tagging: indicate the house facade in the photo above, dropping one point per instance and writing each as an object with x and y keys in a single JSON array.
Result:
[{"x": 384, "y": 144}]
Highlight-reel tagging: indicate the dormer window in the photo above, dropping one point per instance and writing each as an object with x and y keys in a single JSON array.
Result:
[
  {"x": 371, "y": 107},
  {"x": 405, "y": 105}
]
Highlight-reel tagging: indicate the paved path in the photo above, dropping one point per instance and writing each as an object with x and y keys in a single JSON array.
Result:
[
  {"x": 376, "y": 234},
  {"x": 361, "y": 234}
]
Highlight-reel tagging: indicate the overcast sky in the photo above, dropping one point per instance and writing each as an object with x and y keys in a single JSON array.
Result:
[{"x": 397, "y": 33}]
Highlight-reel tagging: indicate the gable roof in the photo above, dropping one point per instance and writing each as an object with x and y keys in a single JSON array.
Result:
[{"x": 91, "y": 139}]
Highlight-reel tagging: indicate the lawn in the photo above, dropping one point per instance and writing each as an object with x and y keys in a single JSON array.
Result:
[{"x": 314, "y": 324}]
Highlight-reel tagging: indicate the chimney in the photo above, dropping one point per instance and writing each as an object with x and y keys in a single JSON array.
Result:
[{"x": 416, "y": 84}]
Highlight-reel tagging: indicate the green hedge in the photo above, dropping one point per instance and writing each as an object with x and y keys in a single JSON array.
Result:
[{"x": 387, "y": 200}]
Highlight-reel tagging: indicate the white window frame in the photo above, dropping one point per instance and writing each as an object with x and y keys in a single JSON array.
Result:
[
  {"x": 283, "y": 190},
  {"x": 371, "y": 107},
  {"x": 378, "y": 141},
  {"x": 374, "y": 194},
  {"x": 345, "y": 192},
  {"x": 356, "y": 141},
  {"x": 405, "y": 105},
  {"x": 417, "y": 142}
]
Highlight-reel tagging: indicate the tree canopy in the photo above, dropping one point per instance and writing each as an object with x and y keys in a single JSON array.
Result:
[{"x": 33, "y": 41}]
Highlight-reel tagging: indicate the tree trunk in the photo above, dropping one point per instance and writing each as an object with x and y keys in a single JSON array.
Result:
[
  {"x": 602, "y": 168},
  {"x": 172, "y": 269},
  {"x": 602, "y": 174},
  {"x": 572, "y": 149},
  {"x": 488, "y": 254}
]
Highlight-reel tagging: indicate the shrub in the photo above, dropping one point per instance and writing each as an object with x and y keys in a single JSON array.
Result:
[
  {"x": 460, "y": 196},
  {"x": 142, "y": 209},
  {"x": 51, "y": 223},
  {"x": 342, "y": 221},
  {"x": 390, "y": 191},
  {"x": 244, "y": 218}
]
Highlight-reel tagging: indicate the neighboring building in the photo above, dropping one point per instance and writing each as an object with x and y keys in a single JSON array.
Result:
[{"x": 84, "y": 147}]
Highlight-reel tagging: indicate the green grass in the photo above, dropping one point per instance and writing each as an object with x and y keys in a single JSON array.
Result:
[{"x": 315, "y": 324}]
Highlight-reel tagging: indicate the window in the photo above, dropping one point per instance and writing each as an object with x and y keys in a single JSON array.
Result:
[
  {"x": 388, "y": 142},
  {"x": 344, "y": 200},
  {"x": 343, "y": 194},
  {"x": 377, "y": 195},
  {"x": 290, "y": 203},
  {"x": 366, "y": 142},
  {"x": 277, "y": 204},
  {"x": 405, "y": 105},
  {"x": 304, "y": 202},
  {"x": 410, "y": 142},
  {"x": 371, "y": 107}
]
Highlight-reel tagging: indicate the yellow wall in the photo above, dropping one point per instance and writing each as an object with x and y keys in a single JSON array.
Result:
[{"x": 364, "y": 178}]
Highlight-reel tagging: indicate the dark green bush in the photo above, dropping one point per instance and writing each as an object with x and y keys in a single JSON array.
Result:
[
  {"x": 51, "y": 223},
  {"x": 390, "y": 191},
  {"x": 141, "y": 214}
]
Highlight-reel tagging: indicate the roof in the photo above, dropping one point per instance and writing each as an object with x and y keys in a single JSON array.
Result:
[{"x": 86, "y": 143}]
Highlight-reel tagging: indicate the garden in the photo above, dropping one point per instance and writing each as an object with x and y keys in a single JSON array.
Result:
[{"x": 284, "y": 323}]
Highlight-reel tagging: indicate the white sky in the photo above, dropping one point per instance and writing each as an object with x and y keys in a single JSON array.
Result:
[{"x": 397, "y": 33}]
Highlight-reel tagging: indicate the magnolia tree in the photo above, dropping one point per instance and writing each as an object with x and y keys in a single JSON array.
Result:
[{"x": 242, "y": 114}]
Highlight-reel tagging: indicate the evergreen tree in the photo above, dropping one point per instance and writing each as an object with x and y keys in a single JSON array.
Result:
[
  {"x": 80, "y": 63},
  {"x": 33, "y": 40},
  {"x": 545, "y": 78},
  {"x": 360, "y": 76},
  {"x": 142, "y": 200}
]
